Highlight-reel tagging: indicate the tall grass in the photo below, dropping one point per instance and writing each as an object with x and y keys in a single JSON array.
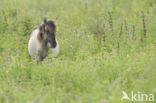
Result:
[{"x": 101, "y": 54}]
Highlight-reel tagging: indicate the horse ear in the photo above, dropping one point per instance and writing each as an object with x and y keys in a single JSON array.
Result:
[{"x": 45, "y": 21}]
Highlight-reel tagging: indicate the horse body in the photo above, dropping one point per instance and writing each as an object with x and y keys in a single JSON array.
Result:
[
  {"x": 42, "y": 39},
  {"x": 37, "y": 48}
]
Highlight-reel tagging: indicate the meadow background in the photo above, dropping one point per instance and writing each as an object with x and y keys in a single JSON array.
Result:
[{"x": 106, "y": 46}]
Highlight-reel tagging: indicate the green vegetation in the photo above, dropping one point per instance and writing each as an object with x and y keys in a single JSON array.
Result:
[{"x": 107, "y": 46}]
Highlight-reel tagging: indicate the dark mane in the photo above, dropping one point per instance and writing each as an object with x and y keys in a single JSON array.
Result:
[{"x": 51, "y": 24}]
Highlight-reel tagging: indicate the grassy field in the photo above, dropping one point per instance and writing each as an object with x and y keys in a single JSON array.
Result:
[{"x": 106, "y": 47}]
